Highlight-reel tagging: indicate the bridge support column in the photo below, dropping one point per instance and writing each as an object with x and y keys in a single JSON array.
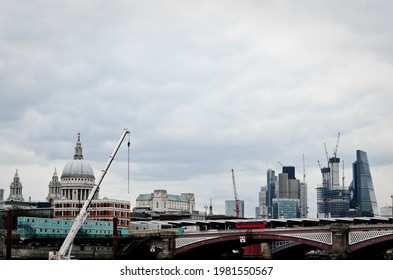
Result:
[
  {"x": 266, "y": 253},
  {"x": 10, "y": 225},
  {"x": 339, "y": 241},
  {"x": 168, "y": 250}
]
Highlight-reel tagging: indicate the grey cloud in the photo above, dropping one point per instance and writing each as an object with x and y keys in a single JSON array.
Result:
[{"x": 202, "y": 90}]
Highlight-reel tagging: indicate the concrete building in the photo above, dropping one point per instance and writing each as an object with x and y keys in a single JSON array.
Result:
[
  {"x": 261, "y": 211},
  {"x": 288, "y": 185},
  {"x": 161, "y": 201},
  {"x": 303, "y": 200},
  {"x": 287, "y": 204}
]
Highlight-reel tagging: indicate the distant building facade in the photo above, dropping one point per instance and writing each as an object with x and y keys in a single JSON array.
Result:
[
  {"x": 287, "y": 203},
  {"x": 272, "y": 189},
  {"x": 230, "y": 208},
  {"x": 303, "y": 200},
  {"x": 2, "y": 195},
  {"x": 100, "y": 210},
  {"x": 261, "y": 211},
  {"x": 386, "y": 211},
  {"x": 287, "y": 188},
  {"x": 286, "y": 208},
  {"x": 161, "y": 201}
]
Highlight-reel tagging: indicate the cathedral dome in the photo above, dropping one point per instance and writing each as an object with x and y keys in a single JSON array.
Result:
[{"x": 78, "y": 168}]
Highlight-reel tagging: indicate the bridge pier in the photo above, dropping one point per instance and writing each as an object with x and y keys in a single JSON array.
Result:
[
  {"x": 266, "y": 253},
  {"x": 169, "y": 246},
  {"x": 340, "y": 247}
]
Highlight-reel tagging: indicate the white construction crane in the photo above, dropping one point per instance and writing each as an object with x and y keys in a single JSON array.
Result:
[
  {"x": 237, "y": 202},
  {"x": 64, "y": 252}
]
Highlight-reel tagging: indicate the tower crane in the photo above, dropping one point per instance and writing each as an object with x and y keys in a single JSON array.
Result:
[
  {"x": 237, "y": 202},
  {"x": 319, "y": 164},
  {"x": 335, "y": 150},
  {"x": 327, "y": 156},
  {"x": 64, "y": 252}
]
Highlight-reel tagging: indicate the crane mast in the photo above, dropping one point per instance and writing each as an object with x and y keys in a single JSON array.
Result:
[
  {"x": 335, "y": 150},
  {"x": 237, "y": 202},
  {"x": 64, "y": 252}
]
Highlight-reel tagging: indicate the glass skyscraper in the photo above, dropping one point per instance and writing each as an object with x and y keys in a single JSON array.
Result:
[
  {"x": 286, "y": 208},
  {"x": 362, "y": 189},
  {"x": 271, "y": 191}
]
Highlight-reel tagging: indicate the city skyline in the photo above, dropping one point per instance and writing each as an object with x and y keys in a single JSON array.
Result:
[
  {"x": 290, "y": 170},
  {"x": 204, "y": 88}
]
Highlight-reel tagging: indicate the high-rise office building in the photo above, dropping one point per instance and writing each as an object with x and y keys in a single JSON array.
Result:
[
  {"x": 285, "y": 186},
  {"x": 288, "y": 185},
  {"x": 286, "y": 208},
  {"x": 303, "y": 200},
  {"x": 290, "y": 170},
  {"x": 362, "y": 189},
  {"x": 287, "y": 204},
  {"x": 261, "y": 209},
  {"x": 271, "y": 190}
]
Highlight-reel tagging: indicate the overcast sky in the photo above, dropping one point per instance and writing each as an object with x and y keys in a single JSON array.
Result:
[{"x": 204, "y": 87}]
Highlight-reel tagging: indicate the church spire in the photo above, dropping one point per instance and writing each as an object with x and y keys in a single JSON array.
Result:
[
  {"x": 78, "y": 148},
  {"x": 16, "y": 189},
  {"x": 54, "y": 188}
]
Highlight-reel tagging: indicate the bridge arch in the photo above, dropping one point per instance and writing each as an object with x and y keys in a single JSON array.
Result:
[
  {"x": 372, "y": 248},
  {"x": 186, "y": 244}
]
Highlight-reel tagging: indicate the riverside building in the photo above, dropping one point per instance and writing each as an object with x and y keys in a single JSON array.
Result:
[{"x": 161, "y": 201}]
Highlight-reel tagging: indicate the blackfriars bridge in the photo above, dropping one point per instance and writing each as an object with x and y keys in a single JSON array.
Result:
[
  {"x": 341, "y": 238},
  {"x": 349, "y": 238}
]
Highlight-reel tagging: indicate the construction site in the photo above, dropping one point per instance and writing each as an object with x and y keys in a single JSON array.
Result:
[{"x": 333, "y": 198}]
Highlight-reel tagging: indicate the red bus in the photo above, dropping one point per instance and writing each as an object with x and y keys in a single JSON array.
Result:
[{"x": 250, "y": 224}]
